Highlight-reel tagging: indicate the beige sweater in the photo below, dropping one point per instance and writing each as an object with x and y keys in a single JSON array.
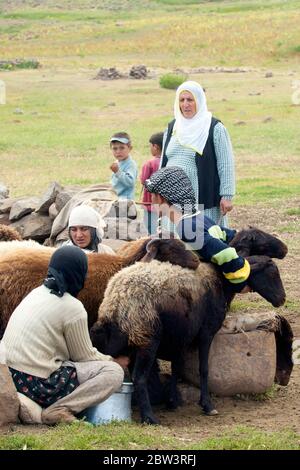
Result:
[{"x": 46, "y": 330}]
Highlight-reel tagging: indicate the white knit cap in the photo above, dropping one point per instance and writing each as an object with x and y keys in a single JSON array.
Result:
[{"x": 86, "y": 216}]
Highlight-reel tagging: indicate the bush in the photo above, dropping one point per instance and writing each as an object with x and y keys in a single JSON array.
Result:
[
  {"x": 172, "y": 80},
  {"x": 19, "y": 64}
]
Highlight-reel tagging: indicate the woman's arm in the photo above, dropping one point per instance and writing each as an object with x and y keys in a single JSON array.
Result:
[{"x": 225, "y": 166}]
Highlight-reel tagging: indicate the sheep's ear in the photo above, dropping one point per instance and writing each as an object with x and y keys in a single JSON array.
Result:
[{"x": 152, "y": 249}]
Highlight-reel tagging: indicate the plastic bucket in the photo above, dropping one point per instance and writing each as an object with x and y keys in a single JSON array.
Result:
[{"x": 116, "y": 407}]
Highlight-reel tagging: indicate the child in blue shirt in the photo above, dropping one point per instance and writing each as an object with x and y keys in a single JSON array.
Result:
[{"x": 124, "y": 169}]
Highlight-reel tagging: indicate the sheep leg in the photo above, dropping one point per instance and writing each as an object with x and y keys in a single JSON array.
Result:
[
  {"x": 143, "y": 363},
  {"x": 205, "y": 401},
  {"x": 174, "y": 399}
]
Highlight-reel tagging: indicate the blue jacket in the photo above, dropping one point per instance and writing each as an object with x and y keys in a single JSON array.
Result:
[
  {"x": 210, "y": 241},
  {"x": 123, "y": 182}
]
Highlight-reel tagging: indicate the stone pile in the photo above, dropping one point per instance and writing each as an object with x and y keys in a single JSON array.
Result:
[
  {"x": 138, "y": 72},
  {"x": 108, "y": 74},
  {"x": 44, "y": 219}
]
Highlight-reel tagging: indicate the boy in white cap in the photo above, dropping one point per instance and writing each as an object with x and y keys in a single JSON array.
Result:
[
  {"x": 124, "y": 169},
  {"x": 86, "y": 230}
]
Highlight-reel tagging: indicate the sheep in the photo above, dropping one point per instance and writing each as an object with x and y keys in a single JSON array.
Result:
[
  {"x": 158, "y": 310},
  {"x": 8, "y": 233},
  {"x": 253, "y": 241},
  {"x": 11, "y": 246},
  {"x": 22, "y": 270}
]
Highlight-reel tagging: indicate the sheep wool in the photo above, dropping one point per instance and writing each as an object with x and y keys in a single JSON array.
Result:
[{"x": 139, "y": 288}]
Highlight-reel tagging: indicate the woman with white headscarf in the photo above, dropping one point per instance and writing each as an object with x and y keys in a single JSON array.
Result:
[
  {"x": 199, "y": 144},
  {"x": 86, "y": 230}
]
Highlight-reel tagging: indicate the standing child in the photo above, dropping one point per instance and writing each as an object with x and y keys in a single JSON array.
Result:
[
  {"x": 150, "y": 167},
  {"x": 124, "y": 169}
]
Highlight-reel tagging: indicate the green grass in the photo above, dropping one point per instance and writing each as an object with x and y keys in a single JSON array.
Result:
[
  {"x": 246, "y": 438},
  {"x": 80, "y": 436}
]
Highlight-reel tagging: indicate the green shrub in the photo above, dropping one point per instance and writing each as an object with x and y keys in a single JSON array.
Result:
[
  {"x": 172, "y": 80},
  {"x": 19, "y": 64}
]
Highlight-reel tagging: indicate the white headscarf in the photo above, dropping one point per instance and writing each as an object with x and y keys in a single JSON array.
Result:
[
  {"x": 86, "y": 216},
  {"x": 192, "y": 133}
]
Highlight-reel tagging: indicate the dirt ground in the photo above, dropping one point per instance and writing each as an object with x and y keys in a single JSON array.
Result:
[{"x": 281, "y": 411}]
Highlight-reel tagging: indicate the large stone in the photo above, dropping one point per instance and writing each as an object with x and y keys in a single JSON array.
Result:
[
  {"x": 9, "y": 403},
  {"x": 6, "y": 205},
  {"x": 23, "y": 207},
  {"x": 123, "y": 208},
  {"x": 34, "y": 226},
  {"x": 48, "y": 197},
  {"x": 4, "y": 219},
  {"x": 53, "y": 212},
  {"x": 4, "y": 191},
  {"x": 114, "y": 244},
  {"x": 238, "y": 363},
  {"x": 116, "y": 229},
  {"x": 64, "y": 196}
]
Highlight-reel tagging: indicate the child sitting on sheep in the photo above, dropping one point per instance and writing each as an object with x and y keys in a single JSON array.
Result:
[{"x": 174, "y": 198}]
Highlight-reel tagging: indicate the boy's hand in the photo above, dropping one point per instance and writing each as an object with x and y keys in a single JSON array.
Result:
[{"x": 114, "y": 167}]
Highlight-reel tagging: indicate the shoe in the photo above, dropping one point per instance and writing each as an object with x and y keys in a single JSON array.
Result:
[{"x": 57, "y": 415}]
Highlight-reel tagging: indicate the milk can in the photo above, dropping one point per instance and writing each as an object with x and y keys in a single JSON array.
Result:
[
  {"x": 116, "y": 407},
  {"x": 2, "y": 92}
]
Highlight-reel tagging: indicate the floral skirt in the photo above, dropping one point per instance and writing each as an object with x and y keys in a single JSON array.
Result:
[{"x": 45, "y": 392}]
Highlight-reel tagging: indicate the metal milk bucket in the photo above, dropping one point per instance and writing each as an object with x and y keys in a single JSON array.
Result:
[{"x": 116, "y": 407}]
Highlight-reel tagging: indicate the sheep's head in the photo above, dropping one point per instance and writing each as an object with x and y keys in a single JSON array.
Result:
[
  {"x": 265, "y": 280},
  {"x": 254, "y": 241},
  {"x": 172, "y": 250},
  {"x": 108, "y": 339}
]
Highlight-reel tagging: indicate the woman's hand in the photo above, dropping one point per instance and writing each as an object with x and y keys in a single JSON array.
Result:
[
  {"x": 123, "y": 361},
  {"x": 225, "y": 206}
]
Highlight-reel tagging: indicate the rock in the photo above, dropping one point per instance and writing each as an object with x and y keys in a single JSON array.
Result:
[
  {"x": 116, "y": 228},
  {"x": 4, "y": 219},
  {"x": 138, "y": 72},
  {"x": 23, "y": 207},
  {"x": 123, "y": 208},
  {"x": 34, "y": 226},
  {"x": 53, "y": 212},
  {"x": 64, "y": 196},
  {"x": 18, "y": 111},
  {"x": 6, "y": 205},
  {"x": 114, "y": 244},
  {"x": 254, "y": 93},
  {"x": 9, "y": 403},
  {"x": 4, "y": 191},
  {"x": 269, "y": 74},
  {"x": 239, "y": 123},
  {"x": 48, "y": 198},
  {"x": 268, "y": 119},
  {"x": 238, "y": 363},
  {"x": 108, "y": 74}
]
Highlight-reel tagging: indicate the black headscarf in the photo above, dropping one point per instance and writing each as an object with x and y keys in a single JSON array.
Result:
[{"x": 67, "y": 271}]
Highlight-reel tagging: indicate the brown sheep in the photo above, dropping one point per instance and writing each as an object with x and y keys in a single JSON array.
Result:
[
  {"x": 8, "y": 233},
  {"x": 24, "y": 269}
]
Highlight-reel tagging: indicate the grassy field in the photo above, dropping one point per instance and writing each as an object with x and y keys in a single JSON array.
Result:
[
  {"x": 81, "y": 436},
  {"x": 57, "y": 123}
]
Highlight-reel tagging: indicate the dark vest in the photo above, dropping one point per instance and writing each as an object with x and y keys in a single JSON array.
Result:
[{"x": 208, "y": 177}]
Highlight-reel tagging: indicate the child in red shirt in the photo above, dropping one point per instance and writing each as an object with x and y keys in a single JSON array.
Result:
[{"x": 150, "y": 167}]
